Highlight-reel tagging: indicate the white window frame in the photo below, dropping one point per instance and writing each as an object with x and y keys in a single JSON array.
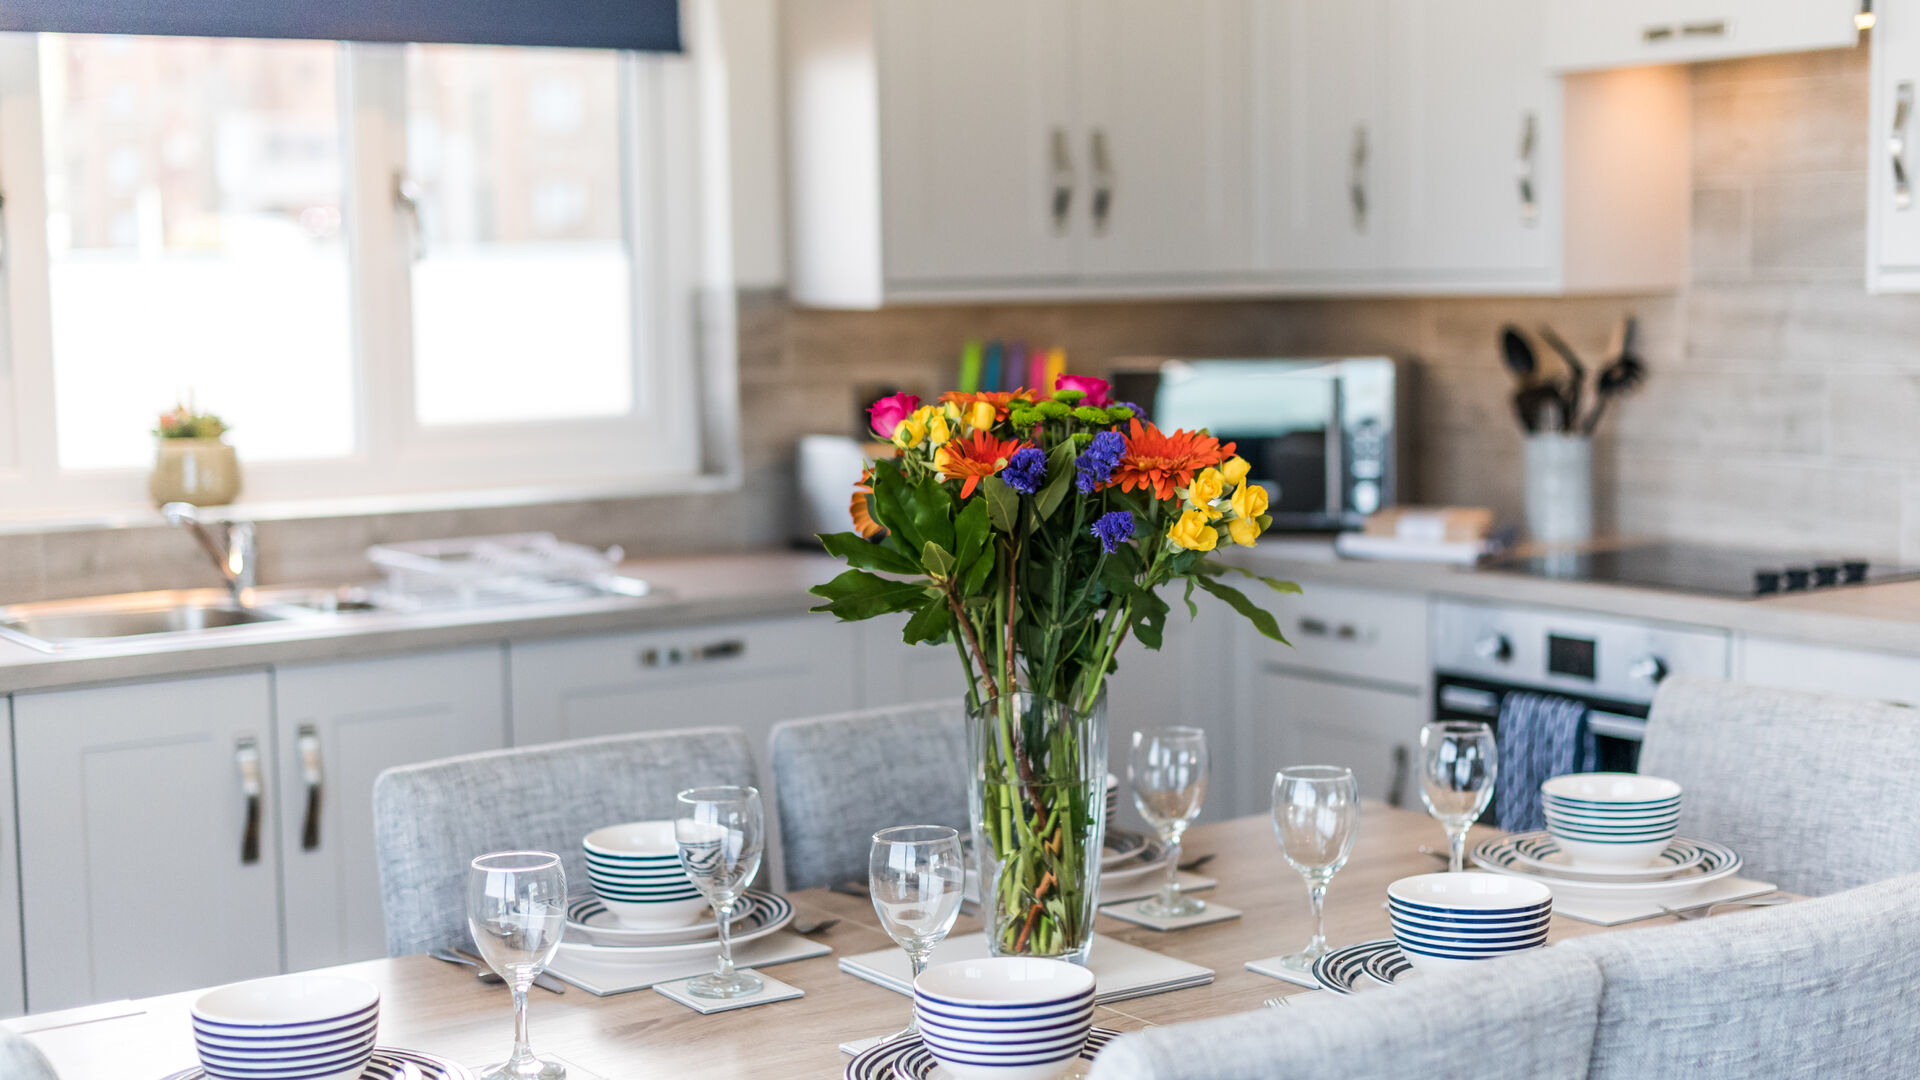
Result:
[{"x": 680, "y": 433}]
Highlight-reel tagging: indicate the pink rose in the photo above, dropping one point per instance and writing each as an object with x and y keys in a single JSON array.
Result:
[
  {"x": 890, "y": 410},
  {"x": 1095, "y": 389}
]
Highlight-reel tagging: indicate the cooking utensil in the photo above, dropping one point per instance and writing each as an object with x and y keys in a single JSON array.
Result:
[
  {"x": 1518, "y": 355},
  {"x": 1617, "y": 379},
  {"x": 1576, "y": 372},
  {"x": 1540, "y": 408}
]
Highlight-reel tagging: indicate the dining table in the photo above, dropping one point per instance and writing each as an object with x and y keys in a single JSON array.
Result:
[{"x": 443, "y": 1009}]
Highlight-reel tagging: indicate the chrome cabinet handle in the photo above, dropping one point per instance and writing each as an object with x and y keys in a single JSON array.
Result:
[
  {"x": 1711, "y": 28},
  {"x": 1311, "y": 626},
  {"x": 1665, "y": 32},
  {"x": 1529, "y": 139},
  {"x": 406, "y": 199},
  {"x": 312, "y": 774},
  {"x": 1897, "y": 146},
  {"x": 1102, "y": 181},
  {"x": 1357, "y": 178},
  {"x": 674, "y": 655},
  {"x": 1063, "y": 180},
  {"x": 1402, "y": 766},
  {"x": 246, "y": 754}
]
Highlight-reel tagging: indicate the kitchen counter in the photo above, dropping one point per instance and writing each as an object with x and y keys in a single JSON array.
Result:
[{"x": 688, "y": 591}]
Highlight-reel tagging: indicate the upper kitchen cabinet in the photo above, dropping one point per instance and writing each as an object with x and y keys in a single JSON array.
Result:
[
  {"x": 1588, "y": 35},
  {"x": 1015, "y": 148},
  {"x": 1893, "y": 221}
]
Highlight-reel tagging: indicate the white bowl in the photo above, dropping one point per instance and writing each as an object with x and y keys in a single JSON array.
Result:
[
  {"x": 932, "y": 1016},
  {"x": 650, "y": 840},
  {"x": 286, "y": 1004},
  {"x": 290, "y": 1027},
  {"x": 654, "y": 914},
  {"x": 1469, "y": 894},
  {"x": 225, "y": 1042},
  {"x": 1611, "y": 788},
  {"x": 1609, "y": 853},
  {"x": 996, "y": 1002},
  {"x": 1466, "y": 946},
  {"x": 1439, "y": 928}
]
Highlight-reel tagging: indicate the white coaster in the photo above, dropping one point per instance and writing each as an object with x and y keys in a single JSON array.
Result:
[
  {"x": 853, "y": 1047},
  {"x": 1130, "y": 911},
  {"x": 1149, "y": 885},
  {"x": 1121, "y": 970},
  {"x": 772, "y": 989},
  {"x": 617, "y": 976},
  {"x": 1272, "y": 968}
]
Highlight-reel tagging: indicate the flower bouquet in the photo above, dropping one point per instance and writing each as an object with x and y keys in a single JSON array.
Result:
[{"x": 1033, "y": 532}]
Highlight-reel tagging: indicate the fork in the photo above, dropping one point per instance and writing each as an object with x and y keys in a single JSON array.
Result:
[
  {"x": 815, "y": 926},
  {"x": 1701, "y": 911}
]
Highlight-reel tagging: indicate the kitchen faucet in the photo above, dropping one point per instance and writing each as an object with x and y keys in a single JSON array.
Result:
[{"x": 234, "y": 559}]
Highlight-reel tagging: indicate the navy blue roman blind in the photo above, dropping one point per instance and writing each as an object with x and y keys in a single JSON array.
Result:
[{"x": 649, "y": 25}]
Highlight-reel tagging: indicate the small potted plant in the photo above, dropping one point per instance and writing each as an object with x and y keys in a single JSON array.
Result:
[{"x": 192, "y": 461}]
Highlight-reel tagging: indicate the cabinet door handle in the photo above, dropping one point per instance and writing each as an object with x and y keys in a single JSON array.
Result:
[
  {"x": 1061, "y": 202},
  {"x": 1102, "y": 181},
  {"x": 246, "y": 754},
  {"x": 313, "y": 775},
  {"x": 1529, "y": 140},
  {"x": 1313, "y": 627},
  {"x": 674, "y": 656},
  {"x": 406, "y": 199},
  {"x": 1397, "y": 789},
  {"x": 1357, "y": 178},
  {"x": 1710, "y": 28},
  {"x": 1897, "y": 146}
]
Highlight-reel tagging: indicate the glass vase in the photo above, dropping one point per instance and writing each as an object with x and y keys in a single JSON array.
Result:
[{"x": 1037, "y": 797}]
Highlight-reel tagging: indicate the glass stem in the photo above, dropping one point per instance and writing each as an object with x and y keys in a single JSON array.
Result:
[
  {"x": 725, "y": 912},
  {"x": 1457, "y": 848},
  {"x": 522, "y": 1046},
  {"x": 1170, "y": 892},
  {"x": 1317, "y": 901},
  {"x": 919, "y": 960}
]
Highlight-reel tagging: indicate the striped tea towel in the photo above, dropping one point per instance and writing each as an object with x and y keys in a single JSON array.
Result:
[{"x": 1541, "y": 736}]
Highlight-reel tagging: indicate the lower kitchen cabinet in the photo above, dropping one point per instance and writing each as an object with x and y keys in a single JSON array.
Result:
[
  {"x": 338, "y": 726},
  {"x": 13, "y": 975},
  {"x": 1823, "y": 669},
  {"x": 148, "y": 857},
  {"x": 893, "y": 672},
  {"x": 1308, "y": 720}
]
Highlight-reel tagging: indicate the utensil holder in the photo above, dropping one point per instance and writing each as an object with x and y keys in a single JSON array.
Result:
[{"x": 1559, "y": 488}]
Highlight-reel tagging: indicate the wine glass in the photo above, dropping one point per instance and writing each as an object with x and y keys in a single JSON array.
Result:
[
  {"x": 517, "y": 911},
  {"x": 1316, "y": 811},
  {"x": 1458, "y": 764},
  {"x": 1167, "y": 768},
  {"x": 721, "y": 832},
  {"x": 915, "y": 874}
]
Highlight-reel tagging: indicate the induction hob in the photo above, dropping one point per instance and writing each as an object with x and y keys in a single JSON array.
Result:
[{"x": 1705, "y": 570}]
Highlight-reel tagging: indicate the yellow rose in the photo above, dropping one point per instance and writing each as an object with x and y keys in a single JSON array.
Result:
[
  {"x": 1193, "y": 532},
  {"x": 1250, "y": 501},
  {"x": 910, "y": 432},
  {"x": 1244, "y": 531},
  {"x": 1206, "y": 487},
  {"x": 1235, "y": 470},
  {"x": 981, "y": 415},
  {"x": 938, "y": 433}
]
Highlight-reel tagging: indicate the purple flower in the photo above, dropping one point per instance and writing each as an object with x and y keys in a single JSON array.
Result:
[
  {"x": 1026, "y": 470},
  {"x": 1113, "y": 529},
  {"x": 1097, "y": 462}
]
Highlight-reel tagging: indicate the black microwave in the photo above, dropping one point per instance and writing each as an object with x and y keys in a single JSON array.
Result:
[{"x": 1324, "y": 436}]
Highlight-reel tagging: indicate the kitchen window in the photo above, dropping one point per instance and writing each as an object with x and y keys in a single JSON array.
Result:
[{"x": 423, "y": 269}]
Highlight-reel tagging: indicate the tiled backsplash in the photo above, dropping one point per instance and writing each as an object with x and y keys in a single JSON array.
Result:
[{"x": 1783, "y": 409}]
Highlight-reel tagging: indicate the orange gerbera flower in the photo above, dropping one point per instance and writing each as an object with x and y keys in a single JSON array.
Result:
[
  {"x": 1160, "y": 462},
  {"x": 863, "y": 522},
  {"x": 1002, "y": 402},
  {"x": 974, "y": 458}
]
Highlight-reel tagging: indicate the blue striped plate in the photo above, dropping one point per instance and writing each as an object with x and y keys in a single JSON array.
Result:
[
  {"x": 1538, "y": 851},
  {"x": 386, "y": 1065},
  {"x": 909, "y": 1058},
  {"x": 770, "y": 912},
  {"x": 1344, "y": 970},
  {"x": 1719, "y": 861}
]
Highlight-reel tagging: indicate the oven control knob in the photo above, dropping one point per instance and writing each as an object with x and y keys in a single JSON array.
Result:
[
  {"x": 1647, "y": 669},
  {"x": 1494, "y": 647}
]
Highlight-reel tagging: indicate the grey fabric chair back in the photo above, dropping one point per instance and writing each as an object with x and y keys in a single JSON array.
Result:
[
  {"x": 1820, "y": 988},
  {"x": 20, "y": 1060},
  {"x": 1816, "y": 792},
  {"x": 842, "y": 778},
  {"x": 1526, "y": 1017},
  {"x": 431, "y": 820}
]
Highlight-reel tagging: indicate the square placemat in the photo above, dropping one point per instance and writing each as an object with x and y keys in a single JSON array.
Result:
[
  {"x": 771, "y": 990},
  {"x": 1130, "y": 912}
]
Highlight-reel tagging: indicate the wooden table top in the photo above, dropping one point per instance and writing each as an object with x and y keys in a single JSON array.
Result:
[{"x": 436, "y": 1007}]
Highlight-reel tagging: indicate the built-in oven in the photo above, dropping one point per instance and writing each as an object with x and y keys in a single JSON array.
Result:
[
  {"x": 1483, "y": 652},
  {"x": 1323, "y": 436}
]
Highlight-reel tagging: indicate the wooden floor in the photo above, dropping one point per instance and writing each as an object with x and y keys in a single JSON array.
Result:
[{"x": 435, "y": 1007}]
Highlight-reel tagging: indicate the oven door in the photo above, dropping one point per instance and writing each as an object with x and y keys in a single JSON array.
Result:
[{"x": 1618, "y": 726}]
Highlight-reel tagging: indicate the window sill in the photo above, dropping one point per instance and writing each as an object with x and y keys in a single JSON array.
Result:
[{"x": 142, "y": 516}]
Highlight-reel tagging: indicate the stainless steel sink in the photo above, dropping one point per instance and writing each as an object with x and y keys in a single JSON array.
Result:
[{"x": 59, "y": 624}]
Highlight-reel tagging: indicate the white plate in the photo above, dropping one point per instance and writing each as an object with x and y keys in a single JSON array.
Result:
[
  {"x": 1720, "y": 862},
  {"x": 1152, "y": 858},
  {"x": 1538, "y": 851},
  {"x": 589, "y": 921},
  {"x": 771, "y": 911},
  {"x": 385, "y": 1065},
  {"x": 1122, "y": 844}
]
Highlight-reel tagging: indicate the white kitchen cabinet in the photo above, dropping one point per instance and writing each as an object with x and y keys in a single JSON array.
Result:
[
  {"x": 1824, "y": 669},
  {"x": 339, "y": 725},
  {"x": 1304, "y": 720},
  {"x": 1188, "y": 681},
  {"x": 149, "y": 861},
  {"x": 13, "y": 974},
  {"x": 1585, "y": 35},
  {"x": 1893, "y": 218},
  {"x": 1015, "y": 148}
]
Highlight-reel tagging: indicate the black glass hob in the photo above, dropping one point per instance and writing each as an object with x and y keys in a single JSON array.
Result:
[{"x": 1706, "y": 570}]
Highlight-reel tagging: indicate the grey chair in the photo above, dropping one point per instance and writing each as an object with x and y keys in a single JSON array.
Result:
[
  {"x": 1816, "y": 792},
  {"x": 842, "y": 778},
  {"x": 1821, "y": 988},
  {"x": 20, "y": 1060},
  {"x": 431, "y": 820},
  {"x": 1527, "y": 1017}
]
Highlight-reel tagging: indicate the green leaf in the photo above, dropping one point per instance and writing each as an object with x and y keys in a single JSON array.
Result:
[
  {"x": 862, "y": 554},
  {"x": 937, "y": 560},
  {"x": 1261, "y": 619},
  {"x": 970, "y": 532},
  {"x": 1215, "y": 569},
  {"x": 857, "y": 595},
  {"x": 930, "y": 623},
  {"x": 890, "y": 508},
  {"x": 932, "y": 510},
  {"x": 974, "y": 577},
  {"x": 1003, "y": 506},
  {"x": 1149, "y": 619},
  {"x": 1193, "y": 609},
  {"x": 1060, "y": 473}
]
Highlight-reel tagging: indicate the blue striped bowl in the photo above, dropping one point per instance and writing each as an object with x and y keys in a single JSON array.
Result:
[
  {"x": 290, "y": 1027},
  {"x": 1004, "y": 1018}
]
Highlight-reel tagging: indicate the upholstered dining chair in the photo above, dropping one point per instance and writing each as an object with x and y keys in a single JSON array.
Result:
[
  {"x": 19, "y": 1060},
  {"x": 1820, "y": 988},
  {"x": 431, "y": 820},
  {"x": 1524, "y": 1017},
  {"x": 841, "y": 778},
  {"x": 1816, "y": 792}
]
